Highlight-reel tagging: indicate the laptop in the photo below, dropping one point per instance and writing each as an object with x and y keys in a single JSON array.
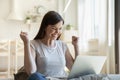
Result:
[{"x": 85, "y": 65}]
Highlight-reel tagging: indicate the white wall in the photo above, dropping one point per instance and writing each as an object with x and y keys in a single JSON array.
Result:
[
  {"x": 71, "y": 14},
  {"x": 10, "y": 29}
]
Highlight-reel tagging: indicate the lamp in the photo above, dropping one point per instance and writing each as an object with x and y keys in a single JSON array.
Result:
[{"x": 15, "y": 14}]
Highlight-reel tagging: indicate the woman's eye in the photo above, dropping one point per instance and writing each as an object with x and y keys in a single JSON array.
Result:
[
  {"x": 53, "y": 28},
  {"x": 60, "y": 28}
]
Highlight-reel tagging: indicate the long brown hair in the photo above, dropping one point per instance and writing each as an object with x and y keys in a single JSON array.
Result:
[{"x": 50, "y": 18}]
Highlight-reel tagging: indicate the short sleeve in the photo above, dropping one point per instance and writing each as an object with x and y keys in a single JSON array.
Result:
[{"x": 35, "y": 44}]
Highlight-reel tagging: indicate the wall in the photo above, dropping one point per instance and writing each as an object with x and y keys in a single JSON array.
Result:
[
  {"x": 10, "y": 29},
  {"x": 71, "y": 14}
]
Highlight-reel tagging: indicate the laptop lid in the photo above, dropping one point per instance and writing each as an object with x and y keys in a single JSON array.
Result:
[{"x": 84, "y": 65}]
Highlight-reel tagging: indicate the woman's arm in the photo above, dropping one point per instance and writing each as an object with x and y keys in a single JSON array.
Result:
[
  {"x": 29, "y": 59},
  {"x": 29, "y": 54},
  {"x": 76, "y": 45},
  {"x": 69, "y": 59},
  {"x": 76, "y": 48}
]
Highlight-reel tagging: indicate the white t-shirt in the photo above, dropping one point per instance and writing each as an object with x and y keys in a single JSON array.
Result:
[{"x": 50, "y": 61}]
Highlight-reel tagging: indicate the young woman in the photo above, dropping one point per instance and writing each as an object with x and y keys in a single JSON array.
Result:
[{"x": 46, "y": 55}]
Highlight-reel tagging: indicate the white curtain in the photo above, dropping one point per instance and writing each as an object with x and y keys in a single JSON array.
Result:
[{"x": 96, "y": 30}]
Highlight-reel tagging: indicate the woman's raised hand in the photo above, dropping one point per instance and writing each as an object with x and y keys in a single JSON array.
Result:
[
  {"x": 75, "y": 40},
  {"x": 24, "y": 37}
]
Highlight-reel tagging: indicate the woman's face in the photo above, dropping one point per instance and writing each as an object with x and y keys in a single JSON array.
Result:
[{"x": 54, "y": 31}]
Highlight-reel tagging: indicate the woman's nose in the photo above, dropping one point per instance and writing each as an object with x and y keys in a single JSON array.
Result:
[{"x": 57, "y": 30}]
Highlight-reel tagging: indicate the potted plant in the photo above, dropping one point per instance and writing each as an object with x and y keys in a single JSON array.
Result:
[
  {"x": 69, "y": 27},
  {"x": 28, "y": 19}
]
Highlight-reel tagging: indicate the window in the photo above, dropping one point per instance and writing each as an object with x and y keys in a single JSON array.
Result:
[{"x": 88, "y": 21}]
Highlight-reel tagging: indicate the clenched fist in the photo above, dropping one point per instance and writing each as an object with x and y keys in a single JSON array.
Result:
[
  {"x": 24, "y": 37},
  {"x": 75, "y": 40}
]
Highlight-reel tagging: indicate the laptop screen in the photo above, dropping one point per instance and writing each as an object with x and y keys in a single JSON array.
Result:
[{"x": 85, "y": 65}]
